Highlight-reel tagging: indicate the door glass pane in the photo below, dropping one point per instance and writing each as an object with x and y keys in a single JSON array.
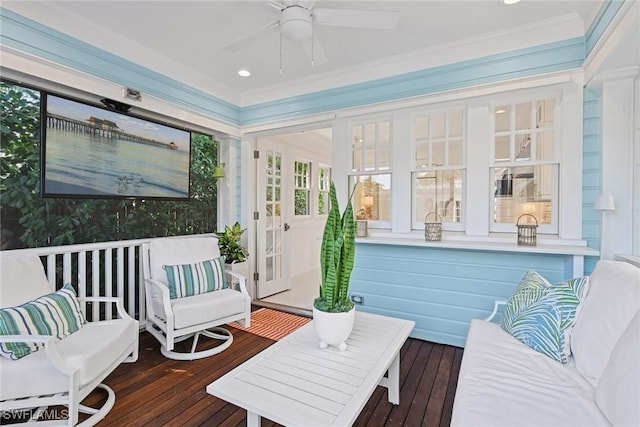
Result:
[
  {"x": 269, "y": 242},
  {"x": 269, "y": 272}
]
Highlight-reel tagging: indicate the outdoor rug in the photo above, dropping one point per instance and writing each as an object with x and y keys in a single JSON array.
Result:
[{"x": 273, "y": 324}]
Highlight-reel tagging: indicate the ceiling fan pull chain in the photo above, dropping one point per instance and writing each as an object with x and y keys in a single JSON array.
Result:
[
  {"x": 281, "y": 52},
  {"x": 312, "y": 52}
]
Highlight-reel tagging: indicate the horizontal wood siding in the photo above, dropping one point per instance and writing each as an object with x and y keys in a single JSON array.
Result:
[
  {"x": 591, "y": 173},
  {"x": 441, "y": 289}
]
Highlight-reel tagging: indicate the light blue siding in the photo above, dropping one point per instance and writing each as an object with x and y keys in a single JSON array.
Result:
[
  {"x": 591, "y": 173},
  {"x": 441, "y": 289},
  {"x": 601, "y": 22}
]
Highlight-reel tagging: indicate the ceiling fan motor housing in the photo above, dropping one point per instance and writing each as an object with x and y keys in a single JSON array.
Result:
[{"x": 296, "y": 23}]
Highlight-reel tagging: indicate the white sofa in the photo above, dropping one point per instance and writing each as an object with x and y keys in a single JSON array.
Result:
[{"x": 503, "y": 382}]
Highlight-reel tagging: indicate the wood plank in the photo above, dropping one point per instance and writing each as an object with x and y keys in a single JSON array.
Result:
[{"x": 156, "y": 391}]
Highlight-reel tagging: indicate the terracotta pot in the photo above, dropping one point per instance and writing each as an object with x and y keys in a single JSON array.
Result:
[{"x": 333, "y": 328}]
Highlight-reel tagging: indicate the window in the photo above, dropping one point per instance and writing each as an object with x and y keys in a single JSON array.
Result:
[
  {"x": 302, "y": 188},
  {"x": 324, "y": 181},
  {"x": 371, "y": 171},
  {"x": 524, "y": 170},
  {"x": 438, "y": 168}
]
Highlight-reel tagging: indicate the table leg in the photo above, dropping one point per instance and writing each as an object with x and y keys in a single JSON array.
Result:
[
  {"x": 253, "y": 419},
  {"x": 393, "y": 374}
]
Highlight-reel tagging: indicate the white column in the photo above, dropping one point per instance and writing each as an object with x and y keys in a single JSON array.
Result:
[{"x": 617, "y": 165}]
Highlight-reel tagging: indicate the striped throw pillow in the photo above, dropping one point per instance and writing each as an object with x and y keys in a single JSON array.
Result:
[
  {"x": 58, "y": 314},
  {"x": 186, "y": 280},
  {"x": 541, "y": 315}
]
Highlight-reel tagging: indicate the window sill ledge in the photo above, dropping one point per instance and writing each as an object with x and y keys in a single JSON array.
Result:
[{"x": 503, "y": 243}]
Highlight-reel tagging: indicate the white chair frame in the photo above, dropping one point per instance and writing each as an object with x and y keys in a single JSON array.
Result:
[
  {"x": 162, "y": 324},
  {"x": 75, "y": 393}
]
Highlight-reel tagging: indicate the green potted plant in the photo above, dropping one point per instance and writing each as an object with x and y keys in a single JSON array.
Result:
[
  {"x": 235, "y": 255},
  {"x": 333, "y": 312}
]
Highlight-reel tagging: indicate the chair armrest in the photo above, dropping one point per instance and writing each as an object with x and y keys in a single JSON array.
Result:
[
  {"x": 242, "y": 282},
  {"x": 497, "y": 303},
  {"x": 164, "y": 293},
  {"x": 50, "y": 349},
  {"x": 117, "y": 300}
]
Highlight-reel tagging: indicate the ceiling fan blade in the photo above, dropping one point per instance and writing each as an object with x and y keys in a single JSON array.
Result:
[
  {"x": 247, "y": 39},
  {"x": 274, "y": 5},
  {"x": 307, "y": 4},
  {"x": 374, "y": 19},
  {"x": 318, "y": 56}
]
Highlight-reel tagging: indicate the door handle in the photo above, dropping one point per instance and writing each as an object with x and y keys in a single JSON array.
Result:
[{"x": 286, "y": 227}]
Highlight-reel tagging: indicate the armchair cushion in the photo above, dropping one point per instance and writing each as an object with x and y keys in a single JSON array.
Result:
[
  {"x": 195, "y": 310},
  {"x": 542, "y": 315},
  {"x": 95, "y": 350},
  {"x": 192, "y": 279},
  {"x": 57, "y": 314}
]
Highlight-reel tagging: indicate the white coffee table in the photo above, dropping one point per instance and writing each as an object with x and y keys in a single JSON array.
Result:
[{"x": 296, "y": 383}]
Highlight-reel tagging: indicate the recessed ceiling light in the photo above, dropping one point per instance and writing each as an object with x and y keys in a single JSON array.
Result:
[
  {"x": 500, "y": 111},
  {"x": 244, "y": 73},
  {"x": 510, "y": 1}
]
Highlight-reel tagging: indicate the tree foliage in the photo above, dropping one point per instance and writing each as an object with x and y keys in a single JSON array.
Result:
[{"x": 28, "y": 220}]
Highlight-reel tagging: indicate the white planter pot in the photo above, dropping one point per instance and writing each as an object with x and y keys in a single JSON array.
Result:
[
  {"x": 333, "y": 328},
  {"x": 241, "y": 268}
]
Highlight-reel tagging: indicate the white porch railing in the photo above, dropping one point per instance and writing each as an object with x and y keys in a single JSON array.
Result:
[{"x": 99, "y": 269}]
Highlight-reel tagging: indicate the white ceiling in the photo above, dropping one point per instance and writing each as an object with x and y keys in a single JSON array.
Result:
[{"x": 184, "y": 39}]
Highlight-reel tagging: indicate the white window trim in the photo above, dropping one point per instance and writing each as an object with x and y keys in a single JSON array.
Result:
[{"x": 476, "y": 209}]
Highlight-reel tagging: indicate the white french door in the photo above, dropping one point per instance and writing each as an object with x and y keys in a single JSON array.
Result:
[{"x": 272, "y": 224}]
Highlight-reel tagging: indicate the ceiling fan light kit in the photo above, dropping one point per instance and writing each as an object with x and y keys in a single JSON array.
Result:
[
  {"x": 297, "y": 19},
  {"x": 296, "y": 23}
]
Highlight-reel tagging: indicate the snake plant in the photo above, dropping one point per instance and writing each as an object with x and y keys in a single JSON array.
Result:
[{"x": 337, "y": 256}]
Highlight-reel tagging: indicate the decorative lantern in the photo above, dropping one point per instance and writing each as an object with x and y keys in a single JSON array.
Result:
[
  {"x": 362, "y": 226},
  {"x": 432, "y": 229},
  {"x": 527, "y": 232}
]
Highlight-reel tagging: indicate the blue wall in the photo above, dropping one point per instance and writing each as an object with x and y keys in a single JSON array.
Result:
[{"x": 441, "y": 289}]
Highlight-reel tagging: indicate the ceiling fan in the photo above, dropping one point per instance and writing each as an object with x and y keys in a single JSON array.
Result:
[{"x": 297, "y": 19}]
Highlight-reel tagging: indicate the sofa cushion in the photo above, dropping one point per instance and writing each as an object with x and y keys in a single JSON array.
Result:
[
  {"x": 618, "y": 391},
  {"x": 17, "y": 270},
  {"x": 57, "y": 314},
  {"x": 186, "y": 280},
  {"x": 502, "y": 382},
  {"x": 541, "y": 315},
  {"x": 613, "y": 300},
  {"x": 92, "y": 350}
]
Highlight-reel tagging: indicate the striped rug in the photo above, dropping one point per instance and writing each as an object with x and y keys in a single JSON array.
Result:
[{"x": 273, "y": 324}]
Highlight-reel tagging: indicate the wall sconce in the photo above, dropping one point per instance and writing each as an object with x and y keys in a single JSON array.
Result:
[
  {"x": 603, "y": 203},
  {"x": 218, "y": 171}
]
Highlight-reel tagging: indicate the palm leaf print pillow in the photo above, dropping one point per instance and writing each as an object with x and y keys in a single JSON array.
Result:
[{"x": 541, "y": 315}]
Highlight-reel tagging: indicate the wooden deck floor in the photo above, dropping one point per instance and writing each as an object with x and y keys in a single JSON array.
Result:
[{"x": 156, "y": 391}]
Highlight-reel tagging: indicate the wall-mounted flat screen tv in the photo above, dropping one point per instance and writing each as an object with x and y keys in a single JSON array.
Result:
[{"x": 93, "y": 152}]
